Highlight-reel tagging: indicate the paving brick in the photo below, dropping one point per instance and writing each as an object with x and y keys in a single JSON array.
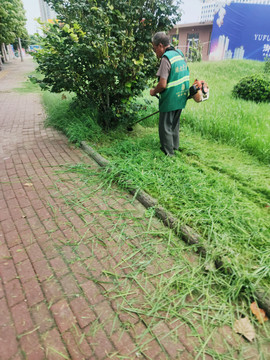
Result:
[
  {"x": 37, "y": 205},
  {"x": 18, "y": 253},
  {"x": 21, "y": 224},
  {"x": 27, "y": 237},
  {"x": 4, "y": 214},
  {"x": 23, "y": 201},
  {"x": 7, "y": 271},
  {"x": 7, "y": 225},
  {"x": 99, "y": 341},
  {"x": 80, "y": 272},
  {"x": 84, "y": 252},
  {"x": 107, "y": 317},
  {"x": 146, "y": 341},
  {"x": 8, "y": 343},
  {"x": 9, "y": 194},
  {"x": 16, "y": 213},
  {"x": 52, "y": 290},
  {"x": 34, "y": 252},
  {"x": 92, "y": 292},
  {"x": 43, "y": 270},
  {"x": 12, "y": 238},
  {"x": 14, "y": 292},
  {"x": 22, "y": 318},
  {"x": 42, "y": 317},
  {"x": 123, "y": 343},
  {"x": 33, "y": 292},
  {"x": 77, "y": 345},
  {"x": 53, "y": 346},
  {"x": 59, "y": 267},
  {"x": 4, "y": 253},
  {"x": 69, "y": 253},
  {"x": 82, "y": 311},
  {"x": 25, "y": 271},
  {"x": 35, "y": 223},
  {"x": 31, "y": 346},
  {"x": 63, "y": 315},
  {"x": 70, "y": 286}
]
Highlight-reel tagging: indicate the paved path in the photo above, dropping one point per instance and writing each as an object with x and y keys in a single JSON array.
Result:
[{"x": 71, "y": 253}]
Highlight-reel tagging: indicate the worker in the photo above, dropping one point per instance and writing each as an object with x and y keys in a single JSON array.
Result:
[{"x": 173, "y": 90}]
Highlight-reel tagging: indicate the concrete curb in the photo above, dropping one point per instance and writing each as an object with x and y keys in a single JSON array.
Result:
[{"x": 184, "y": 231}]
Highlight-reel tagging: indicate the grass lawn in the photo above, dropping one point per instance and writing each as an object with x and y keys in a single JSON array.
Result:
[{"x": 218, "y": 184}]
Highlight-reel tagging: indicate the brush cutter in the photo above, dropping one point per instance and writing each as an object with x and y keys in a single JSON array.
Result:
[
  {"x": 130, "y": 128},
  {"x": 199, "y": 91}
]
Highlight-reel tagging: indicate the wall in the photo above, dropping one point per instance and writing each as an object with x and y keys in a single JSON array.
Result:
[{"x": 183, "y": 31}]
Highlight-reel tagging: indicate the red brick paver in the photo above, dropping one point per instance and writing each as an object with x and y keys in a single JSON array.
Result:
[{"x": 64, "y": 250}]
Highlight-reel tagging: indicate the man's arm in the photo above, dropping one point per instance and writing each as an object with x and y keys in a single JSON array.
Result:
[
  {"x": 163, "y": 74},
  {"x": 161, "y": 86}
]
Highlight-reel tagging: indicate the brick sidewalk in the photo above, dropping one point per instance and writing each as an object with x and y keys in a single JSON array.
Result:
[{"x": 67, "y": 287}]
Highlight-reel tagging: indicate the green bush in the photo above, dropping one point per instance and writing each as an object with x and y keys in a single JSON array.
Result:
[
  {"x": 253, "y": 87},
  {"x": 267, "y": 65},
  {"x": 102, "y": 51}
]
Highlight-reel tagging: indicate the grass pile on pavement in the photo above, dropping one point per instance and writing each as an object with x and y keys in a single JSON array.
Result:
[{"x": 157, "y": 276}]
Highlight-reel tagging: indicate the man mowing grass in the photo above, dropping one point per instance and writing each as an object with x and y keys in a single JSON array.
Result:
[{"x": 173, "y": 90}]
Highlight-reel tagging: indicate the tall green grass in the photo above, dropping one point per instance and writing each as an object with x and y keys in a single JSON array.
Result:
[
  {"x": 220, "y": 188},
  {"x": 65, "y": 115},
  {"x": 244, "y": 124}
]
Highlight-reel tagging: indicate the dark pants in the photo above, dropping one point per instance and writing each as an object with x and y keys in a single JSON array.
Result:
[{"x": 169, "y": 131}]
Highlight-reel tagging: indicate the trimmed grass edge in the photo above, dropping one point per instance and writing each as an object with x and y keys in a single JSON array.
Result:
[{"x": 185, "y": 232}]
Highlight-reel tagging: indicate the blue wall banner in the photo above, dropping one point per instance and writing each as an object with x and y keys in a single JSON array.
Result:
[{"x": 241, "y": 31}]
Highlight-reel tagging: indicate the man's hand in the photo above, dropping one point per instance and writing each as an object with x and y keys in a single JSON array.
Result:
[{"x": 152, "y": 92}]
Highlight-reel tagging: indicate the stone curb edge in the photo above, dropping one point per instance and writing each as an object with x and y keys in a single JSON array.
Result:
[{"x": 184, "y": 231}]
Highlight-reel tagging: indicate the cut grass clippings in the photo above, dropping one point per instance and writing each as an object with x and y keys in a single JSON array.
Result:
[
  {"x": 218, "y": 185},
  {"x": 217, "y": 189},
  {"x": 155, "y": 276}
]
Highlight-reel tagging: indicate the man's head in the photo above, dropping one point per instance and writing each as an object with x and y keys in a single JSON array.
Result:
[{"x": 160, "y": 42}]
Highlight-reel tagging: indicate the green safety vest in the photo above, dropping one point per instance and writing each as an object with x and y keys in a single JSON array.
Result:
[{"x": 174, "y": 97}]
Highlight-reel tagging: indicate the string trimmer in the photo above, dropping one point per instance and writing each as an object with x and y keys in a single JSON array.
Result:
[
  {"x": 199, "y": 91},
  {"x": 130, "y": 128}
]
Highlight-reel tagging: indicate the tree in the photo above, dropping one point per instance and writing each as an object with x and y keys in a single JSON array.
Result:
[
  {"x": 101, "y": 50},
  {"x": 195, "y": 51},
  {"x": 12, "y": 21}
]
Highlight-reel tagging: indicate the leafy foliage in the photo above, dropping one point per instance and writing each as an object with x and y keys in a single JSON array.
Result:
[
  {"x": 12, "y": 21},
  {"x": 267, "y": 65},
  {"x": 101, "y": 51},
  {"x": 253, "y": 87},
  {"x": 195, "y": 51}
]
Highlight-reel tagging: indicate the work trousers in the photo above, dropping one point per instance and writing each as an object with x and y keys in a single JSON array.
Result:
[{"x": 169, "y": 131}]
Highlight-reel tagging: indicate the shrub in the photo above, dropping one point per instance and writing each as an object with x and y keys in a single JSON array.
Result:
[
  {"x": 253, "y": 87},
  {"x": 267, "y": 65},
  {"x": 101, "y": 51}
]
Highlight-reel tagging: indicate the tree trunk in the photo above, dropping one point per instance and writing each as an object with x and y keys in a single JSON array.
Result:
[
  {"x": 4, "y": 52},
  {"x": 20, "y": 47},
  {"x": 1, "y": 63}
]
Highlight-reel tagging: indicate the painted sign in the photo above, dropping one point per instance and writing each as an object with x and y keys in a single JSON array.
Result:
[{"x": 241, "y": 31}]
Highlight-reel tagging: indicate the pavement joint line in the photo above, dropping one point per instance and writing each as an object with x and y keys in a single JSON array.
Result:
[{"x": 185, "y": 232}]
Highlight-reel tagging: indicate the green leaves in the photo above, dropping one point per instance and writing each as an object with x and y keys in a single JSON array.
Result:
[
  {"x": 254, "y": 87},
  {"x": 102, "y": 51},
  {"x": 12, "y": 21}
]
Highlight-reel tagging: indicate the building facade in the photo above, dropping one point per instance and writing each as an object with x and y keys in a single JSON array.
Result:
[
  {"x": 197, "y": 32},
  {"x": 211, "y": 7},
  {"x": 46, "y": 13}
]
